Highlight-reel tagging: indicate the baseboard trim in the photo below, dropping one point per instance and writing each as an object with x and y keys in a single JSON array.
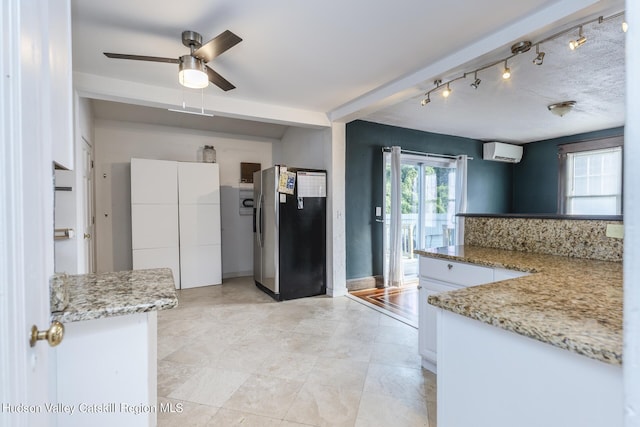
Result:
[{"x": 365, "y": 283}]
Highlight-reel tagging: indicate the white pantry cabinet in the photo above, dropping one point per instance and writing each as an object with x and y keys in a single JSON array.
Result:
[
  {"x": 175, "y": 220},
  {"x": 442, "y": 275}
]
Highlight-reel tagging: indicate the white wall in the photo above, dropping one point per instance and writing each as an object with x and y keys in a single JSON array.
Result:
[
  {"x": 303, "y": 148},
  {"x": 69, "y": 210},
  {"x": 117, "y": 142}
]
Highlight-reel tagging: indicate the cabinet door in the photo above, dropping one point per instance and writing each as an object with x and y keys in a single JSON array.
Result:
[
  {"x": 199, "y": 183},
  {"x": 458, "y": 273},
  {"x": 154, "y": 226},
  {"x": 199, "y": 225},
  {"x": 154, "y": 182},
  {"x": 200, "y": 266},
  {"x": 427, "y": 323}
]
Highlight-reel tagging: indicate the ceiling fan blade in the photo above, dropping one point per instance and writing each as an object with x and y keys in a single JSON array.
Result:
[
  {"x": 141, "y": 58},
  {"x": 216, "y": 46},
  {"x": 218, "y": 80}
]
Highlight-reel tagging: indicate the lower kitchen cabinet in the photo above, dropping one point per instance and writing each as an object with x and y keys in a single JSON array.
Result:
[{"x": 442, "y": 275}]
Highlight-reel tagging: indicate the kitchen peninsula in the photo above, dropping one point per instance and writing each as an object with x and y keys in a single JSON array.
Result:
[
  {"x": 107, "y": 359},
  {"x": 541, "y": 349}
]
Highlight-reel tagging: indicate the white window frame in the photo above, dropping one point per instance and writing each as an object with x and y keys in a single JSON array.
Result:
[{"x": 564, "y": 174}]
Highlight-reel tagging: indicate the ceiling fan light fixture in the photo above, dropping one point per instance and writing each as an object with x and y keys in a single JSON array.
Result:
[
  {"x": 561, "y": 108},
  {"x": 192, "y": 73}
]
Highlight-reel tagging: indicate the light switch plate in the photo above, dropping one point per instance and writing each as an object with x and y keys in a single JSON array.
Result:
[
  {"x": 378, "y": 211},
  {"x": 615, "y": 230}
]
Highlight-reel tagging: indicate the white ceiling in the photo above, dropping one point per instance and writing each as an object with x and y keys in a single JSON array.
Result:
[{"x": 371, "y": 60}]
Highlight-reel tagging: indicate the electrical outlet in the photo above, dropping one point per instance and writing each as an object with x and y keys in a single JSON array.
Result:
[{"x": 615, "y": 230}]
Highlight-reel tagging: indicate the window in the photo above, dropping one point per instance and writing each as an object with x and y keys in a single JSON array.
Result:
[{"x": 591, "y": 177}]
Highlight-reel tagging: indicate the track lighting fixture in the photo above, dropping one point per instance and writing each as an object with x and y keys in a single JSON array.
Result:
[
  {"x": 518, "y": 49},
  {"x": 574, "y": 44},
  {"x": 625, "y": 26},
  {"x": 506, "y": 74},
  {"x": 476, "y": 81},
  {"x": 539, "y": 59}
]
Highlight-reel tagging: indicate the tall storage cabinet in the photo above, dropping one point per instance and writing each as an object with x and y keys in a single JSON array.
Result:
[{"x": 175, "y": 220}]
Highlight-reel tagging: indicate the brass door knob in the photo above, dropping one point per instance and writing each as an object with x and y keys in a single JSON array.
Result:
[
  {"x": 87, "y": 235},
  {"x": 53, "y": 335}
]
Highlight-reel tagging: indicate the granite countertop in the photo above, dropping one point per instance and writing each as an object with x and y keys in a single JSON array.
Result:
[
  {"x": 95, "y": 296},
  {"x": 571, "y": 303}
]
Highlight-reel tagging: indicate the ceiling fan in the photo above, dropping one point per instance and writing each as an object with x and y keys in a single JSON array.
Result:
[{"x": 192, "y": 69}]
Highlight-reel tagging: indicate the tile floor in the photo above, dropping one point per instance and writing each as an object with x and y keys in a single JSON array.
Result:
[{"x": 234, "y": 357}]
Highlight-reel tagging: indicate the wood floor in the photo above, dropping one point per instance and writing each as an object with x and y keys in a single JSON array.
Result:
[{"x": 402, "y": 302}]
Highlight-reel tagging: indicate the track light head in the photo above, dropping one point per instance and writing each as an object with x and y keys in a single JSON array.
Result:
[
  {"x": 625, "y": 26},
  {"x": 574, "y": 44},
  {"x": 539, "y": 59},
  {"x": 447, "y": 91},
  {"x": 425, "y": 101},
  {"x": 476, "y": 83},
  {"x": 506, "y": 74}
]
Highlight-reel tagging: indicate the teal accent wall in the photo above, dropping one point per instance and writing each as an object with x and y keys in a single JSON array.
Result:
[
  {"x": 489, "y": 184},
  {"x": 535, "y": 178}
]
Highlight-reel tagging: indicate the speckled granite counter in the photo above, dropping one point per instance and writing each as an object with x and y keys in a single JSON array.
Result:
[
  {"x": 571, "y": 303},
  {"x": 95, "y": 296}
]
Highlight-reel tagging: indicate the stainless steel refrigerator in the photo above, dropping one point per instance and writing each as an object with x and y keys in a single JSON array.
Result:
[{"x": 289, "y": 230}]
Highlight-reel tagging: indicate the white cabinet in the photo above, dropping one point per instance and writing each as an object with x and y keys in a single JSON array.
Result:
[
  {"x": 175, "y": 216},
  {"x": 441, "y": 275}
]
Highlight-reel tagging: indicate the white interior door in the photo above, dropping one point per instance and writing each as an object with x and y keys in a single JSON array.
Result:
[
  {"x": 88, "y": 213},
  {"x": 26, "y": 205}
]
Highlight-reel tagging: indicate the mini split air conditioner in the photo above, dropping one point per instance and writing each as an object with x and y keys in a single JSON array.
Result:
[{"x": 501, "y": 152}]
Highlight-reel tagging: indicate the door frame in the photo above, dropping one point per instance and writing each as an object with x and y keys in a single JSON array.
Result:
[{"x": 419, "y": 160}]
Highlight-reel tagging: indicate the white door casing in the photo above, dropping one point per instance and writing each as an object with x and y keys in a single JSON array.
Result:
[
  {"x": 88, "y": 218},
  {"x": 26, "y": 206}
]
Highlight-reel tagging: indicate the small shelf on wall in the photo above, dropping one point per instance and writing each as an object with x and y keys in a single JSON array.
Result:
[{"x": 247, "y": 170}]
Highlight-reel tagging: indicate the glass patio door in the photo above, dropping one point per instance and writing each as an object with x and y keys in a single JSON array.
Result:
[{"x": 427, "y": 207}]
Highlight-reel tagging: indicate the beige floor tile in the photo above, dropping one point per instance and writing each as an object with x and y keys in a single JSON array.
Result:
[
  {"x": 167, "y": 344},
  {"x": 200, "y": 354},
  {"x": 264, "y": 395},
  {"x": 399, "y": 334},
  {"x": 321, "y": 405},
  {"x": 342, "y": 347},
  {"x": 378, "y": 410},
  {"x": 341, "y": 373},
  {"x": 398, "y": 381},
  {"x": 233, "y": 356},
  {"x": 229, "y": 418},
  {"x": 286, "y": 423},
  {"x": 171, "y": 375},
  {"x": 210, "y": 386},
  {"x": 288, "y": 365},
  {"x": 395, "y": 354},
  {"x": 177, "y": 413}
]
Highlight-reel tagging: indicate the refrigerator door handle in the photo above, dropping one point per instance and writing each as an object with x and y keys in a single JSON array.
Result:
[{"x": 261, "y": 221}]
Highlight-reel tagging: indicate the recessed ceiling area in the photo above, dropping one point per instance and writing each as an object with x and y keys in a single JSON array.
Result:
[{"x": 108, "y": 110}]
